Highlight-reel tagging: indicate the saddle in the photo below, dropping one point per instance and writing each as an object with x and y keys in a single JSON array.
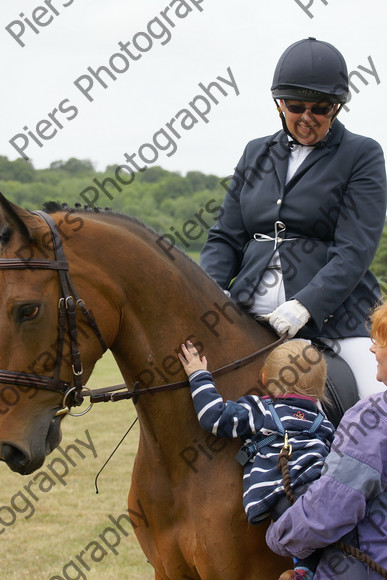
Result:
[{"x": 340, "y": 386}]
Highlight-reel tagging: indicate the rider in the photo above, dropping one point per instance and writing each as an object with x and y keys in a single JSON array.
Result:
[{"x": 303, "y": 215}]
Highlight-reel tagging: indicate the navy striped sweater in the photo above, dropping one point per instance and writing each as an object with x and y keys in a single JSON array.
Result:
[{"x": 262, "y": 481}]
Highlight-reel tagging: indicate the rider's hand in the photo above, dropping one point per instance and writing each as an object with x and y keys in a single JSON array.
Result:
[
  {"x": 191, "y": 360},
  {"x": 291, "y": 316}
]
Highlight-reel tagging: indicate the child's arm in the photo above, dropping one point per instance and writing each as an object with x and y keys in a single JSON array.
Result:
[{"x": 223, "y": 419}]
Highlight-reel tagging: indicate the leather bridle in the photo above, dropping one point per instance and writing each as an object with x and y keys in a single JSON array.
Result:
[{"x": 68, "y": 299}]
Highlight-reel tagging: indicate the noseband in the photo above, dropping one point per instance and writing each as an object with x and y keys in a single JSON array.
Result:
[{"x": 68, "y": 299}]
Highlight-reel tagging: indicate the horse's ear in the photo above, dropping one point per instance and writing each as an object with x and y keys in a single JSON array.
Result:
[{"x": 16, "y": 217}]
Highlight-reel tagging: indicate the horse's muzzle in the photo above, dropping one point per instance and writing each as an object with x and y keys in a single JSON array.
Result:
[
  {"x": 26, "y": 461},
  {"x": 18, "y": 460}
]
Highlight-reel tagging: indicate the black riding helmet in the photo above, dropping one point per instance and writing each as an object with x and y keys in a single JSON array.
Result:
[{"x": 311, "y": 70}]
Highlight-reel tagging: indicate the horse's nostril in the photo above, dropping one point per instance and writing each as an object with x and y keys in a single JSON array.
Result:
[
  {"x": 14, "y": 457},
  {"x": 10, "y": 452}
]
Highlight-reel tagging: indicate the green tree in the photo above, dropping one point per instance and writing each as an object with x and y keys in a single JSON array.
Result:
[
  {"x": 172, "y": 187},
  {"x": 379, "y": 265},
  {"x": 152, "y": 174},
  {"x": 18, "y": 170},
  {"x": 74, "y": 166},
  {"x": 201, "y": 181}
]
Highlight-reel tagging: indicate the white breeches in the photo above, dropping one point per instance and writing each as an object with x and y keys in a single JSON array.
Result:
[{"x": 354, "y": 350}]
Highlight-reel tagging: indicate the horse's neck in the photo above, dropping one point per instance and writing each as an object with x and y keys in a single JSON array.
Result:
[
  {"x": 156, "y": 302},
  {"x": 168, "y": 302},
  {"x": 176, "y": 302}
]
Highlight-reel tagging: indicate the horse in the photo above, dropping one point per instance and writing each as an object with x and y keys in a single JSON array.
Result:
[{"x": 75, "y": 282}]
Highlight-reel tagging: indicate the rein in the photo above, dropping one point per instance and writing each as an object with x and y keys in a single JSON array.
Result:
[
  {"x": 117, "y": 392},
  {"x": 68, "y": 300}
]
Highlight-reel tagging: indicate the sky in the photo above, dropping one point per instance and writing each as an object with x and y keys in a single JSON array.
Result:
[{"x": 153, "y": 103}]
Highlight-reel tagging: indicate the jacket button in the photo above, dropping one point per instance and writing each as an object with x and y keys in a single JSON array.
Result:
[{"x": 279, "y": 201}]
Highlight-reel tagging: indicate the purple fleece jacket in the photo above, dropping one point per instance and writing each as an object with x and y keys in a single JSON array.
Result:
[{"x": 349, "y": 498}]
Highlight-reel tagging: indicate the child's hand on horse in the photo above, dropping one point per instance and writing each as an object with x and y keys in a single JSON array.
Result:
[{"x": 191, "y": 360}]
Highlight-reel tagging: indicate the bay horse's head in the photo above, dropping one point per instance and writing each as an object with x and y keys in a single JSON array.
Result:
[{"x": 40, "y": 338}]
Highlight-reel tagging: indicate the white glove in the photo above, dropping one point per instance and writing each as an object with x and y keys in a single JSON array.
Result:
[{"x": 291, "y": 316}]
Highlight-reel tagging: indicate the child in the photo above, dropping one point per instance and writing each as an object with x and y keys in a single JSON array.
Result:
[{"x": 294, "y": 374}]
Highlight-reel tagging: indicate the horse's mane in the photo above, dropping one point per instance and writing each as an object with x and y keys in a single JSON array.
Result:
[
  {"x": 55, "y": 206},
  {"x": 99, "y": 212},
  {"x": 107, "y": 213}
]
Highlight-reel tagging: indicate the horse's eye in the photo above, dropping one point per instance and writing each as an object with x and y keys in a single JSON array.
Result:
[{"x": 28, "y": 312}]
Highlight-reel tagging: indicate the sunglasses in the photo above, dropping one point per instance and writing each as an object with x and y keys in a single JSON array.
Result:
[{"x": 316, "y": 110}]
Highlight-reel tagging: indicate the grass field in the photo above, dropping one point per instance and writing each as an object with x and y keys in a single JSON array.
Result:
[{"x": 44, "y": 527}]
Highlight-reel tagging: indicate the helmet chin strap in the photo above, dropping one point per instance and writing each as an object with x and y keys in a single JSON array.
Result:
[{"x": 296, "y": 141}]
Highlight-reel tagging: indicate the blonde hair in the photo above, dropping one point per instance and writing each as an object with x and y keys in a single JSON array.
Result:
[
  {"x": 297, "y": 367},
  {"x": 379, "y": 325}
]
